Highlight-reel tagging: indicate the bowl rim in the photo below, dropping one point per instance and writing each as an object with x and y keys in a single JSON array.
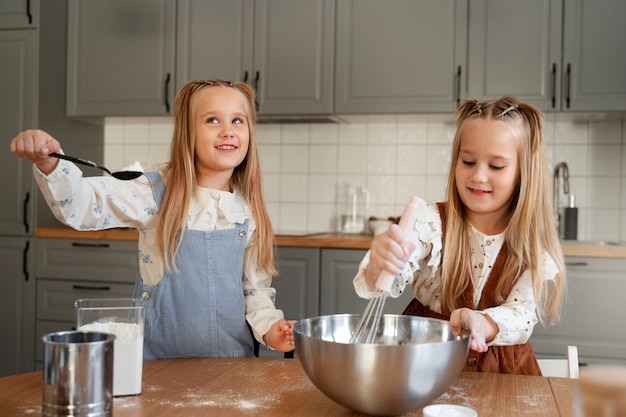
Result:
[{"x": 460, "y": 337}]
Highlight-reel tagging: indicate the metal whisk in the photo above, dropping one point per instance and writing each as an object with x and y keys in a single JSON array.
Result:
[{"x": 367, "y": 326}]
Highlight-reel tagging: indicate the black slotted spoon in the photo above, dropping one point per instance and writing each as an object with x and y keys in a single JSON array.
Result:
[{"x": 120, "y": 175}]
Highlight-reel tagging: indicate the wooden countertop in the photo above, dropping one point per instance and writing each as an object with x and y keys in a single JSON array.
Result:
[
  {"x": 322, "y": 240},
  {"x": 279, "y": 387}
]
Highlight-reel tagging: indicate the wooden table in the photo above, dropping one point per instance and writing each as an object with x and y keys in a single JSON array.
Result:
[{"x": 279, "y": 387}]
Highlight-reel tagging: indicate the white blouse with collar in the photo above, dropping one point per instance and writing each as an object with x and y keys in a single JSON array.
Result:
[
  {"x": 515, "y": 318},
  {"x": 97, "y": 203}
]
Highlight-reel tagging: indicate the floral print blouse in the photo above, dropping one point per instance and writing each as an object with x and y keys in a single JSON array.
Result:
[
  {"x": 97, "y": 203},
  {"x": 515, "y": 318}
]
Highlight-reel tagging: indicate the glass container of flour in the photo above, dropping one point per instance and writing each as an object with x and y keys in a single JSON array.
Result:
[{"x": 123, "y": 317}]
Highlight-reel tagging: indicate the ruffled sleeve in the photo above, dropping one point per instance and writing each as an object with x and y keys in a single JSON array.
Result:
[
  {"x": 517, "y": 316},
  {"x": 423, "y": 262}
]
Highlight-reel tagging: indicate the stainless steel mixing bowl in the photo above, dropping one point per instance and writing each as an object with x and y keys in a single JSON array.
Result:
[{"x": 416, "y": 360}]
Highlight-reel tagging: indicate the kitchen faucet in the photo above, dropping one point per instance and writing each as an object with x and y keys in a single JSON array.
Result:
[{"x": 560, "y": 167}]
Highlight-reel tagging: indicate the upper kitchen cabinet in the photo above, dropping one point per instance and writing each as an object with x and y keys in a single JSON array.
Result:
[
  {"x": 121, "y": 57},
  {"x": 560, "y": 55},
  {"x": 19, "y": 14},
  {"x": 594, "y": 55},
  {"x": 200, "y": 55},
  {"x": 400, "y": 56},
  {"x": 515, "y": 49},
  {"x": 283, "y": 48},
  {"x": 18, "y": 112}
]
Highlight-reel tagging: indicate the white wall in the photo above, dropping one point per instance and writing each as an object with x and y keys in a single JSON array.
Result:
[{"x": 395, "y": 157}]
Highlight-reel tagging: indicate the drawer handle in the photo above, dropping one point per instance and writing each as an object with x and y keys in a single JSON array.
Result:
[
  {"x": 553, "y": 73},
  {"x": 581, "y": 263},
  {"x": 25, "y": 211},
  {"x": 91, "y": 288},
  {"x": 458, "y": 85},
  {"x": 167, "y": 93},
  {"x": 90, "y": 245},
  {"x": 28, "y": 13},
  {"x": 25, "y": 261}
]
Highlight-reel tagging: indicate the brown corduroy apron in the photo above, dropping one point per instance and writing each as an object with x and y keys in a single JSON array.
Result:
[{"x": 515, "y": 359}]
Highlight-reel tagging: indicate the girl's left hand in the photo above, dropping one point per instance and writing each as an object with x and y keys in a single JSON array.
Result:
[
  {"x": 280, "y": 335},
  {"x": 483, "y": 328}
]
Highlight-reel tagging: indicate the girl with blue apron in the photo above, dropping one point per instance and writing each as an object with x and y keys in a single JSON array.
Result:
[{"x": 198, "y": 308}]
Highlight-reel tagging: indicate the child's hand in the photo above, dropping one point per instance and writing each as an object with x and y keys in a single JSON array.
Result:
[
  {"x": 280, "y": 335},
  {"x": 389, "y": 251},
  {"x": 35, "y": 146},
  {"x": 483, "y": 328}
]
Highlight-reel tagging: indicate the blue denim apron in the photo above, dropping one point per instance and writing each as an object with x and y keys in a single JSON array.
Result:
[{"x": 198, "y": 310}]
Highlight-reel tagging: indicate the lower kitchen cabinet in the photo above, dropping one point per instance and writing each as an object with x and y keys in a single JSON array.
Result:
[
  {"x": 594, "y": 313},
  {"x": 16, "y": 301},
  {"x": 67, "y": 270},
  {"x": 55, "y": 304},
  {"x": 297, "y": 282}
]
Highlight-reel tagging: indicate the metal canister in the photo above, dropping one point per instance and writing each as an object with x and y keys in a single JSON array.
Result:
[{"x": 78, "y": 374}]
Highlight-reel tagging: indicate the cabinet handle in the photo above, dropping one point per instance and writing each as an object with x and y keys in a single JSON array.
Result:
[
  {"x": 256, "y": 88},
  {"x": 553, "y": 85},
  {"x": 245, "y": 77},
  {"x": 458, "y": 85},
  {"x": 581, "y": 263},
  {"x": 25, "y": 211},
  {"x": 568, "y": 80},
  {"x": 167, "y": 93},
  {"x": 28, "y": 13},
  {"x": 89, "y": 287},
  {"x": 25, "y": 261},
  {"x": 90, "y": 245}
]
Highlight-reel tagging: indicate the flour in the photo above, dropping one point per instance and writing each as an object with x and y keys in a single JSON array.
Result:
[
  {"x": 128, "y": 354},
  {"x": 31, "y": 410},
  {"x": 243, "y": 402}
]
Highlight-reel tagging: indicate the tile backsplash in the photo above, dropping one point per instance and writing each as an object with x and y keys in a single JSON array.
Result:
[{"x": 304, "y": 166}]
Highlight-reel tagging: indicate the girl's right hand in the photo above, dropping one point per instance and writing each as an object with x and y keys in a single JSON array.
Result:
[
  {"x": 390, "y": 251},
  {"x": 36, "y": 146}
]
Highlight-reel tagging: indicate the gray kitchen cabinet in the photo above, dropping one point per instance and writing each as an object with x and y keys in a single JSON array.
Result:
[
  {"x": 18, "y": 111},
  {"x": 515, "y": 49},
  {"x": 400, "y": 56},
  {"x": 69, "y": 269},
  {"x": 594, "y": 55},
  {"x": 199, "y": 24},
  {"x": 559, "y": 55},
  {"x": 121, "y": 57},
  {"x": 337, "y": 295},
  {"x": 55, "y": 304},
  {"x": 86, "y": 259},
  {"x": 283, "y": 48},
  {"x": 594, "y": 313},
  {"x": 16, "y": 301},
  {"x": 297, "y": 282},
  {"x": 19, "y": 14}
]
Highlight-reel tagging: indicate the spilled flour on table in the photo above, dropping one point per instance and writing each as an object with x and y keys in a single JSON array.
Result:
[
  {"x": 460, "y": 393},
  {"x": 239, "y": 401},
  {"x": 195, "y": 398},
  {"x": 35, "y": 410}
]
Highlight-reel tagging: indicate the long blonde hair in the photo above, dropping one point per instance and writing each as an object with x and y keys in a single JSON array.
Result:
[
  {"x": 531, "y": 230},
  {"x": 180, "y": 176}
]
